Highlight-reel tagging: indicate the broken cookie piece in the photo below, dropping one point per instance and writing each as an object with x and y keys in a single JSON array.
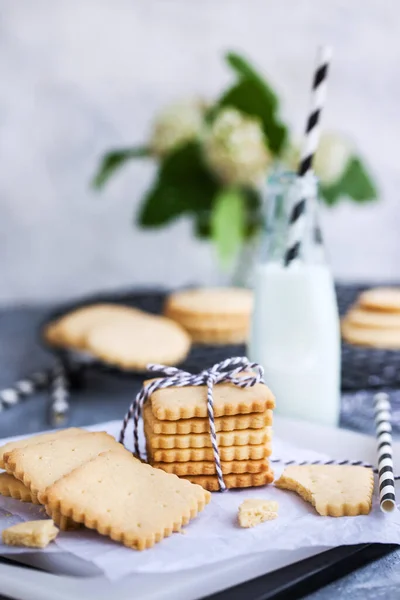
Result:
[
  {"x": 334, "y": 490},
  {"x": 33, "y": 534},
  {"x": 256, "y": 510}
]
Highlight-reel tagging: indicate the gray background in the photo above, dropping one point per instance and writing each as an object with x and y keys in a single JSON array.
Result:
[{"x": 79, "y": 76}]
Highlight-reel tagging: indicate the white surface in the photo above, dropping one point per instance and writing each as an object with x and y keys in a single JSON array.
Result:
[
  {"x": 187, "y": 585},
  {"x": 295, "y": 337},
  {"x": 30, "y": 585},
  {"x": 82, "y": 76}
]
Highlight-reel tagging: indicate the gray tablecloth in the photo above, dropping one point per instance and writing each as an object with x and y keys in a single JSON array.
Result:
[{"x": 106, "y": 397}]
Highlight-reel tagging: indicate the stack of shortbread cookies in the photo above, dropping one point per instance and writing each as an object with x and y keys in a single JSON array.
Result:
[
  {"x": 178, "y": 435},
  {"x": 88, "y": 478},
  {"x": 212, "y": 315},
  {"x": 374, "y": 320}
]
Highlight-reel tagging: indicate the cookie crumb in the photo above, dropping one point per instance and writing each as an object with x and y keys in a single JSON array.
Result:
[
  {"x": 254, "y": 511},
  {"x": 32, "y": 534}
]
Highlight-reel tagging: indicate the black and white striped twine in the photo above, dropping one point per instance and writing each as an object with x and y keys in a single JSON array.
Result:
[
  {"x": 310, "y": 144},
  {"x": 224, "y": 372},
  {"x": 333, "y": 461}
]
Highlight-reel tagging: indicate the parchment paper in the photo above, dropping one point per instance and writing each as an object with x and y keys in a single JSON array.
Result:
[{"x": 214, "y": 535}]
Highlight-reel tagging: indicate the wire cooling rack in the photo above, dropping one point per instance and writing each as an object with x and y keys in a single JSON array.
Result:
[{"x": 362, "y": 368}]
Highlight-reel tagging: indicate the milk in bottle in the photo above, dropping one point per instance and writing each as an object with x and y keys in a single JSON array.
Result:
[{"x": 295, "y": 327}]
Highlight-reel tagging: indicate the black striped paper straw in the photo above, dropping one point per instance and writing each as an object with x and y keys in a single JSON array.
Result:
[
  {"x": 310, "y": 144},
  {"x": 24, "y": 388},
  {"x": 59, "y": 394},
  {"x": 383, "y": 426}
]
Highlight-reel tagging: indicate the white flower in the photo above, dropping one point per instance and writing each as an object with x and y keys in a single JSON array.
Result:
[
  {"x": 235, "y": 148},
  {"x": 175, "y": 125},
  {"x": 332, "y": 157},
  {"x": 330, "y": 160}
]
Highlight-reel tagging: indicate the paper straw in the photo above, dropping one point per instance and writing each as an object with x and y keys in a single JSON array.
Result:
[
  {"x": 24, "y": 388},
  {"x": 310, "y": 144},
  {"x": 383, "y": 429},
  {"x": 59, "y": 394}
]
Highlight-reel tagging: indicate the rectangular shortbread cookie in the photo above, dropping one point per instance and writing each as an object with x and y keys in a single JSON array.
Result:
[
  {"x": 127, "y": 500},
  {"x": 247, "y": 437},
  {"x": 208, "y": 468},
  {"x": 41, "y": 465},
  {"x": 176, "y": 403},
  {"x": 201, "y": 425},
  {"x": 36, "y": 439},
  {"x": 9, "y": 486},
  {"x": 226, "y": 453},
  {"x": 233, "y": 480}
]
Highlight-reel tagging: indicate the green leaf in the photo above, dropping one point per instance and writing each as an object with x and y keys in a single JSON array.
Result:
[
  {"x": 248, "y": 97},
  {"x": 228, "y": 223},
  {"x": 114, "y": 160},
  {"x": 330, "y": 195},
  {"x": 202, "y": 224},
  {"x": 252, "y": 219},
  {"x": 162, "y": 204},
  {"x": 246, "y": 71},
  {"x": 356, "y": 184},
  {"x": 183, "y": 185}
]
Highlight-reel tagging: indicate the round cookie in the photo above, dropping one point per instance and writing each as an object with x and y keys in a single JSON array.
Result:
[
  {"x": 219, "y": 336},
  {"x": 207, "y": 302},
  {"x": 381, "y": 299},
  {"x": 212, "y": 315},
  {"x": 373, "y": 318},
  {"x": 52, "y": 334},
  {"x": 212, "y": 322},
  {"x": 388, "y": 339},
  {"x": 133, "y": 343},
  {"x": 71, "y": 329}
]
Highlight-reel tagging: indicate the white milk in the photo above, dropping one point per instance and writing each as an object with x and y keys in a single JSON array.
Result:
[{"x": 295, "y": 337}]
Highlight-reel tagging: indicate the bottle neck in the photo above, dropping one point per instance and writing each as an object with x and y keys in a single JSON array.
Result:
[{"x": 290, "y": 206}]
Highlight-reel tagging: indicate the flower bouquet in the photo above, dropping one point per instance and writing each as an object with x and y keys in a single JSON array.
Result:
[{"x": 213, "y": 159}]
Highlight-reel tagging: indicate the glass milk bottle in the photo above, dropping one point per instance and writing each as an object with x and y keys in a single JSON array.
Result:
[{"x": 295, "y": 331}]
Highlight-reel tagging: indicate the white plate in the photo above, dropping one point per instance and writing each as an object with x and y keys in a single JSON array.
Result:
[{"x": 26, "y": 584}]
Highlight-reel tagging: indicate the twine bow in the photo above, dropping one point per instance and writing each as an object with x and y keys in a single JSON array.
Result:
[{"x": 226, "y": 371}]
